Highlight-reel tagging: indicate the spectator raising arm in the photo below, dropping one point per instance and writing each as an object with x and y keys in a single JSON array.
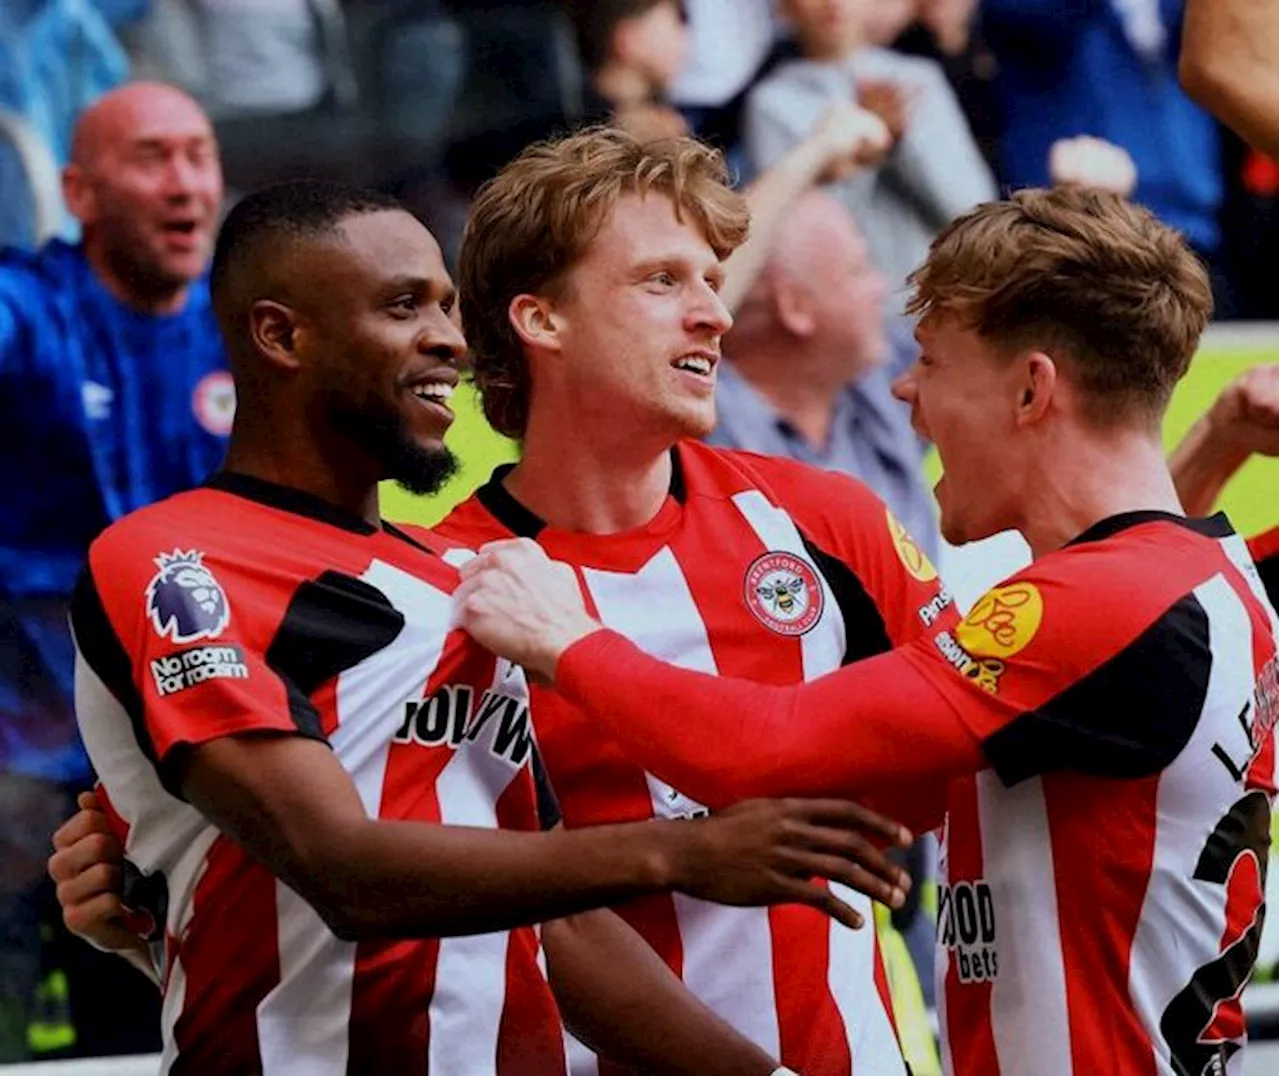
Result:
[
  {"x": 1241, "y": 422},
  {"x": 1229, "y": 65},
  {"x": 844, "y": 140}
]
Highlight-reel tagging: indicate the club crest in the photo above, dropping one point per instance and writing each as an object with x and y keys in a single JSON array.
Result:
[
  {"x": 184, "y": 601},
  {"x": 783, "y": 592}
]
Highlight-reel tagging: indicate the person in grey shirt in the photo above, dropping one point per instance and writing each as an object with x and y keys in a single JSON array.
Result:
[
  {"x": 810, "y": 361},
  {"x": 933, "y": 173}
]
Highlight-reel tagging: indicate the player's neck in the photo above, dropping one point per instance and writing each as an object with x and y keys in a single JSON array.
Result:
[
  {"x": 286, "y": 457},
  {"x": 1088, "y": 480},
  {"x": 579, "y": 482}
]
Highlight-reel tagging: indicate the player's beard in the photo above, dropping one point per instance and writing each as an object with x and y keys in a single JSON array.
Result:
[{"x": 382, "y": 435}]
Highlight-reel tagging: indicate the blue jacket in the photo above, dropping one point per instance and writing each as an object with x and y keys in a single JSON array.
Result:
[
  {"x": 1068, "y": 68},
  {"x": 102, "y": 410}
]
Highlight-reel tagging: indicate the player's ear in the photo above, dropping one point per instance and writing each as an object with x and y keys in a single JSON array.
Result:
[
  {"x": 273, "y": 327},
  {"x": 78, "y": 194},
  {"x": 1037, "y": 381},
  {"x": 535, "y": 321}
]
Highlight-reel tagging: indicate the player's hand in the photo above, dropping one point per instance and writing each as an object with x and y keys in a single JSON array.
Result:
[
  {"x": 521, "y": 604},
  {"x": 771, "y": 851},
  {"x": 847, "y": 138},
  {"x": 86, "y": 867},
  {"x": 1092, "y": 162},
  {"x": 1246, "y": 414}
]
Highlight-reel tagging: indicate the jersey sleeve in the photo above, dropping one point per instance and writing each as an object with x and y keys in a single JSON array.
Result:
[
  {"x": 1069, "y": 665},
  {"x": 881, "y": 576},
  {"x": 182, "y": 642}
]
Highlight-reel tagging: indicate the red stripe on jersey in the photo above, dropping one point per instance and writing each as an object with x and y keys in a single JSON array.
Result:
[
  {"x": 325, "y": 700},
  {"x": 1100, "y": 879},
  {"x": 388, "y": 1030},
  {"x": 228, "y": 953},
  {"x": 971, "y": 1039},
  {"x": 811, "y": 1031},
  {"x": 1264, "y": 545}
]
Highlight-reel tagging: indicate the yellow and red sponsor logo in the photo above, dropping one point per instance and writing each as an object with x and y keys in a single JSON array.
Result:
[
  {"x": 912, "y": 556},
  {"x": 985, "y": 672},
  {"x": 1002, "y": 622}
]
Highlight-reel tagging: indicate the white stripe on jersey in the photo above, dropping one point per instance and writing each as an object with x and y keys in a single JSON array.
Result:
[
  {"x": 1029, "y": 996},
  {"x": 1166, "y": 949},
  {"x": 823, "y": 646},
  {"x": 728, "y": 952},
  {"x": 303, "y": 1021},
  {"x": 851, "y": 977},
  {"x": 1237, "y": 551}
]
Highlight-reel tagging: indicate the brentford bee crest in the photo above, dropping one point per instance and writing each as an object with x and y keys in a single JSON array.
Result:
[{"x": 783, "y": 592}]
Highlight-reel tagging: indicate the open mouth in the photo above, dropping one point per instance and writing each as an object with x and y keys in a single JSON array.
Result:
[
  {"x": 433, "y": 392},
  {"x": 698, "y": 363}
]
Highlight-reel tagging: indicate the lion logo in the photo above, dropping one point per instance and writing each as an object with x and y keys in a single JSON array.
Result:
[{"x": 184, "y": 601}]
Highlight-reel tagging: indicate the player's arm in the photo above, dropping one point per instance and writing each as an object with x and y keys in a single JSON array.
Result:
[
  {"x": 1241, "y": 422},
  {"x": 876, "y": 729},
  {"x": 1229, "y": 65},
  {"x": 617, "y": 996},
  {"x": 370, "y": 878}
]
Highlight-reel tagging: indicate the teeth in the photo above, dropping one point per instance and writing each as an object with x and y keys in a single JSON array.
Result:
[
  {"x": 694, "y": 364},
  {"x": 437, "y": 392}
]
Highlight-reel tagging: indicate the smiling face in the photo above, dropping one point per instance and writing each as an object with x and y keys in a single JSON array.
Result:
[
  {"x": 637, "y": 327},
  {"x": 963, "y": 397},
  {"x": 382, "y": 338}
]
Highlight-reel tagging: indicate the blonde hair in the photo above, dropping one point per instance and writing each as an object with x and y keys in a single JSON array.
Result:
[
  {"x": 1082, "y": 275},
  {"x": 532, "y": 222}
]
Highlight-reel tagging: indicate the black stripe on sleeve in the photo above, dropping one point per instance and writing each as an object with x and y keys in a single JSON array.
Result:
[
  {"x": 549, "y": 814},
  {"x": 333, "y": 623},
  {"x": 100, "y": 647},
  {"x": 1267, "y": 569},
  {"x": 1130, "y": 717},
  {"x": 865, "y": 631}
]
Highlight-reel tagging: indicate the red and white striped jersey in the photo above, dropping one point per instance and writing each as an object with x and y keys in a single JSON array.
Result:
[
  {"x": 244, "y": 607},
  {"x": 765, "y": 569},
  {"x": 1101, "y": 899}
]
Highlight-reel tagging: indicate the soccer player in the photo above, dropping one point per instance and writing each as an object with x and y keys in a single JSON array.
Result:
[
  {"x": 589, "y": 287},
  {"x": 1099, "y": 729},
  {"x": 1240, "y": 423},
  {"x": 332, "y": 804}
]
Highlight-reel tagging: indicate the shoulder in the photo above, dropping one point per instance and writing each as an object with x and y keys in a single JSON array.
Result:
[
  {"x": 469, "y": 525},
  {"x": 28, "y": 276},
  {"x": 792, "y": 80}
]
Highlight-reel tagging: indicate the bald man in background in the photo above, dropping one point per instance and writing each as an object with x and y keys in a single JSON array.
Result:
[
  {"x": 812, "y": 354},
  {"x": 113, "y": 393}
]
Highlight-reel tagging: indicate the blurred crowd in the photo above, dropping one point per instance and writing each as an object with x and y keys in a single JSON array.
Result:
[{"x": 858, "y": 128}]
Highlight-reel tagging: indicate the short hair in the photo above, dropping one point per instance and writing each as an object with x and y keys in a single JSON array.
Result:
[
  {"x": 532, "y": 222},
  {"x": 594, "y": 23},
  {"x": 264, "y": 223},
  {"x": 1081, "y": 274}
]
